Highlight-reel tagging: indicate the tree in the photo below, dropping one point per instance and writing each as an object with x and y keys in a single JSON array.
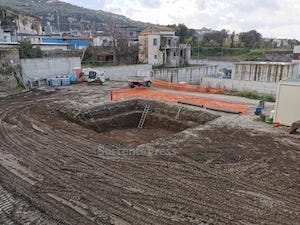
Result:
[
  {"x": 126, "y": 53},
  {"x": 188, "y": 40},
  {"x": 268, "y": 43},
  {"x": 215, "y": 38},
  {"x": 27, "y": 50},
  {"x": 232, "y": 39},
  {"x": 182, "y": 32},
  {"x": 185, "y": 34},
  {"x": 251, "y": 39}
]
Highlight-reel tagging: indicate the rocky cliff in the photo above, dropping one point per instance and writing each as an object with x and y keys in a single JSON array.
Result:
[{"x": 65, "y": 17}]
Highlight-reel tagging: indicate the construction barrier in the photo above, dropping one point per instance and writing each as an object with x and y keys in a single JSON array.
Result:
[
  {"x": 169, "y": 96},
  {"x": 186, "y": 87}
]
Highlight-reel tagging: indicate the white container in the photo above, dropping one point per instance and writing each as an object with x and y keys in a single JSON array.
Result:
[
  {"x": 287, "y": 108},
  {"x": 271, "y": 116}
]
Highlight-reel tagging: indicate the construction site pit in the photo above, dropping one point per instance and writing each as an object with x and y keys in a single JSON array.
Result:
[
  {"x": 58, "y": 162},
  {"x": 117, "y": 123}
]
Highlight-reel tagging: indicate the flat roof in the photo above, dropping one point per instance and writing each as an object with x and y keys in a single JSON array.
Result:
[{"x": 265, "y": 63}]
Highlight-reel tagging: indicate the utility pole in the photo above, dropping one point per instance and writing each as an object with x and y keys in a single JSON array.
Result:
[{"x": 57, "y": 17}]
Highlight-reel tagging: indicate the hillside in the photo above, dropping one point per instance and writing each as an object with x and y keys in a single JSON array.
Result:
[{"x": 71, "y": 17}]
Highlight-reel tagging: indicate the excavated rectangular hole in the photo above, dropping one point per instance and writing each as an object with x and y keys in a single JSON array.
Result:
[{"x": 118, "y": 121}]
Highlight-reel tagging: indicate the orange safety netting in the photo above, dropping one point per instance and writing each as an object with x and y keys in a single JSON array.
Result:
[
  {"x": 170, "y": 96},
  {"x": 186, "y": 87}
]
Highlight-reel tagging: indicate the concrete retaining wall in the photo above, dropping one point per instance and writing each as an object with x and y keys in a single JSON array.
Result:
[
  {"x": 241, "y": 85},
  {"x": 264, "y": 71},
  {"x": 296, "y": 57},
  {"x": 190, "y": 75},
  {"x": 220, "y": 64},
  {"x": 45, "y": 68},
  {"x": 121, "y": 73}
]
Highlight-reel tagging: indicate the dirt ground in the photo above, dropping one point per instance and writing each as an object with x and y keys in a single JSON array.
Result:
[{"x": 230, "y": 170}]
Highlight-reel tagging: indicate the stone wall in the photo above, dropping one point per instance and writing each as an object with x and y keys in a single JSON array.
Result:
[
  {"x": 9, "y": 70},
  {"x": 278, "y": 56}
]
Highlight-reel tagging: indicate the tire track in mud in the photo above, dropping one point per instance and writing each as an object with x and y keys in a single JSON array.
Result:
[
  {"x": 134, "y": 181},
  {"x": 14, "y": 139},
  {"x": 256, "y": 188},
  {"x": 14, "y": 210},
  {"x": 160, "y": 195},
  {"x": 215, "y": 198}
]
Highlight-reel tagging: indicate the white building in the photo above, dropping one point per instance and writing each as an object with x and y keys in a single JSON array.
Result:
[
  {"x": 160, "y": 46},
  {"x": 103, "y": 41}
]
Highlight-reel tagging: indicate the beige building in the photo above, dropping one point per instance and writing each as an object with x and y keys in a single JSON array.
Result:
[{"x": 160, "y": 46}]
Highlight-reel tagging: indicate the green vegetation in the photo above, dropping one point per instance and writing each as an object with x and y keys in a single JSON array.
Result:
[
  {"x": 253, "y": 54},
  {"x": 251, "y": 39},
  {"x": 20, "y": 83},
  {"x": 239, "y": 53},
  {"x": 251, "y": 95},
  {"x": 185, "y": 34},
  {"x": 221, "y": 44},
  {"x": 26, "y": 50}
]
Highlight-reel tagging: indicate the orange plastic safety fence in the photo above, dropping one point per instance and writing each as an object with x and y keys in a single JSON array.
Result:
[
  {"x": 186, "y": 87},
  {"x": 170, "y": 96}
]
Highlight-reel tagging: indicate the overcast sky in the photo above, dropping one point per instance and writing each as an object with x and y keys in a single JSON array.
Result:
[{"x": 272, "y": 18}]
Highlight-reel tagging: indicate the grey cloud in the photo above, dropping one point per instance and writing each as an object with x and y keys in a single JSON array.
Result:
[
  {"x": 150, "y": 3},
  {"x": 249, "y": 6},
  {"x": 238, "y": 5},
  {"x": 130, "y": 12},
  {"x": 96, "y": 4}
]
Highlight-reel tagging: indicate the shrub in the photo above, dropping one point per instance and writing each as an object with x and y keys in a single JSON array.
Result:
[
  {"x": 252, "y": 95},
  {"x": 27, "y": 50}
]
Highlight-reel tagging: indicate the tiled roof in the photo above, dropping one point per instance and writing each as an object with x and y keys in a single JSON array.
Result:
[{"x": 157, "y": 28}]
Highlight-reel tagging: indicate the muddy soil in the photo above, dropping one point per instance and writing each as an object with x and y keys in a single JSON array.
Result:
[{"x": 63, "y": 172}]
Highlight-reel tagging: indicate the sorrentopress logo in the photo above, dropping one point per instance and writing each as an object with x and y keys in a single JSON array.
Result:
[{"x": 135, "y": 152}]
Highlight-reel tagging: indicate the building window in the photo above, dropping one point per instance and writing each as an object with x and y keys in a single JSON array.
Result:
[
  {"x": 155, "y": 41},
  {"x": 169, "y": 41},
  {"x": 168, "y": 53},
  {"x": 155, "y": 56}
]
